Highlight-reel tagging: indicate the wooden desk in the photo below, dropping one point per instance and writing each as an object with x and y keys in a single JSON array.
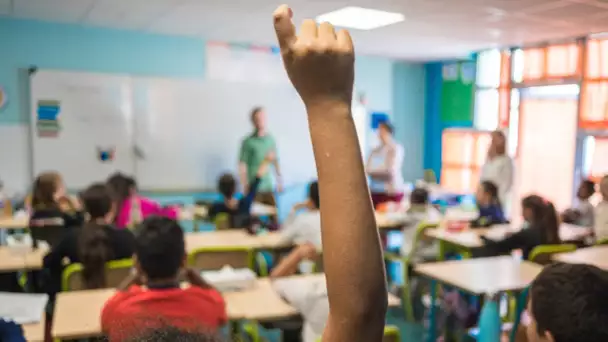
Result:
[
  {"x": 12, "y": 222},
  {"x": 470, "y": 238},
  {"x": 34, "y": 332},
  {"x": 12, "y": 260},
  {"x": 75, "y": 320},
  {"x": 484, "y": 275},
  {"x": 234, "y": 238},
  {"x": 257, "y": 209},
  {"x": 596, "y": 256}
]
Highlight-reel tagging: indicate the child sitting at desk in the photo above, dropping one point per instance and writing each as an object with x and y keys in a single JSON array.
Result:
[
  {"x": 488, "y": 203},
  {"x": 53, "y": 212},
  {"x": 541, "y": 227},
  {"x": 132, "y": 208},
  {"x": 420, "y": 210},
  {"x": 153, "y": 296},
  {"x": 239, "y": 211},
  {"x": 304, "y": 230},
  {"x": 95, "y": 244},
  {"x": 568, "y": 303},
  {"x": 601, "y": 212},
  {"x": 582, "y": 213}
]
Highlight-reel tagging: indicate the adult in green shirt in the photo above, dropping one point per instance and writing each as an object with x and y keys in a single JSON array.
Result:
[{"x": 254, "y": 149}]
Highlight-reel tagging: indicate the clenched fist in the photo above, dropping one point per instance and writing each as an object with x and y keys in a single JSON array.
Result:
[{"x": 318, "y": 61}]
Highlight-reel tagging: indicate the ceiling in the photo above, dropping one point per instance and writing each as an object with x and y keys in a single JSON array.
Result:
[{"x": 433, "y": 29}]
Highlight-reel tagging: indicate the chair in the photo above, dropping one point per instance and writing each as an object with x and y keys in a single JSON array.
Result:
[
  {"x": 222, "y": 221},
  {"x": 406, "y": 262},
  {"x": 602, "y": 242},
  {"x": 430, "y": 176},
  {"x": 391, "y": 334},
  {"x": 542, "y": 254},
  {"x": 214, "y": 258},
  {"x": 116, "y": 272}
]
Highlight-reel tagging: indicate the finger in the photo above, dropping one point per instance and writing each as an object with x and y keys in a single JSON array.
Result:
[
  {"x": 327, "y": 32},
  {"x": 308, "y": 30},
  {"x": 283, "y": 26},
  {"x": 345, "y": 42}
]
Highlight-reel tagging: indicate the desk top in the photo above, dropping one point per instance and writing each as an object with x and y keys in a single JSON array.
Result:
[
  {"x": 469, "y": 238},
  {"x": 75, "y": 320},
  {"x": 483, "y": 275},
  {"x": 34, "y": 332},
  {"x": 234, "y": 238},
  {"x": 15, "y": 259},
  {"x": 596, "y": 256}
]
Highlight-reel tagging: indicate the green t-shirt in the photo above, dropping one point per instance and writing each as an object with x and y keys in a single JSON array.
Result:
[{"x": 253, "y": 151}]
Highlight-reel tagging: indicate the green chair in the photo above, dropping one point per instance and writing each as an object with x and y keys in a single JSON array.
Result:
[
  {"x": 214, "y": 258},
  {"x": 116, "y": 272},
  {"x": 430, "y": 176},
  {"x": 406, "y": 261},
  {"x": 391, "y": 334},
  {"x": 602, "y": 242},
  {"x": 222, "y": 221},
  {"x": 542, "y": 254}
]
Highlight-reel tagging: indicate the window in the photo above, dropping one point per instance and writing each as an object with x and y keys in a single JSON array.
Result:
[
  {"x": 594, "y": 97},
  {"x": 542, "y": 64},
  {"x": 492, "y": 91},
  {"x": 464, "y": 152},
  {"x": 596, "y": 163}
]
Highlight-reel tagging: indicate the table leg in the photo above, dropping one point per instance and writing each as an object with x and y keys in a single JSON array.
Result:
[
  {"x": 432, "y": 312},
  {"x": 520, "y": 305},
  {"x": 490, "y": 326}
]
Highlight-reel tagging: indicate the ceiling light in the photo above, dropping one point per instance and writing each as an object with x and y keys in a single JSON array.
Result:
[{"x": 360, "y": 18}]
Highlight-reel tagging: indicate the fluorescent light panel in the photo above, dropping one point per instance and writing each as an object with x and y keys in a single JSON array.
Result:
[{"x": 360, "y": 18}]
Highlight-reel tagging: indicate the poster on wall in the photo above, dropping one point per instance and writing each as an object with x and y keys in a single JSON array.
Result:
[
  {"x": 450, "y": 72},
  {"x": 47, "y": 118}
]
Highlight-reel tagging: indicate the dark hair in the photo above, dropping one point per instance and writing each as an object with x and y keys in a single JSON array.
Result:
[
  {"x": 160, "y": 247},
  {"x": 43, "y": 192},
  {"x": 387, "y": 126},
  {"x": 255, "y": 112},
  {"x": 544, "y": 217},
  {"x": 570, "y": 301},
  {"x": 121, "y": 186},
  {"x": 419, "y": 196},
  {"x": 491, "y": 189},
  {"x": 313, "y": 194},
  {"x": 227, "y": 185},
  {"x": 168, "y": 333},
  {"x": 93, "y": 243},
  {"x": 589, "y": 186}
]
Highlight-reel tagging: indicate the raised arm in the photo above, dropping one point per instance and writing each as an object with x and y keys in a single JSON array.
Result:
[{"x": 320, "y": 64}]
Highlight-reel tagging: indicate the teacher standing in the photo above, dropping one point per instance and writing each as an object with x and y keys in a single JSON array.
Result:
[
  {"x": 498, "y": 168},
  {"x": 384, "y": 168},
  {"x": 254, "y": 150}
]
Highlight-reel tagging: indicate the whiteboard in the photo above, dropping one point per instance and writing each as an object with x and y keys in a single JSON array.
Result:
[
  {"x": 94, "y": 111},
  {"x": 186, "y": 132}
]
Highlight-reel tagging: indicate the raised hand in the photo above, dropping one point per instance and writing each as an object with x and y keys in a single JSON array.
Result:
[{"x": 318, "y": 61}]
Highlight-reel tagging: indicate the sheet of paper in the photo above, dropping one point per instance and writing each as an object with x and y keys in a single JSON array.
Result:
[{"x": 23, "y": 308}]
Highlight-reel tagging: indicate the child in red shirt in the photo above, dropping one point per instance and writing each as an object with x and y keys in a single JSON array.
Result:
[{"x": 152, "y": 296}]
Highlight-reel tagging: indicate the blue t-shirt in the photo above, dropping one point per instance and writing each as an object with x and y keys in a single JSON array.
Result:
[
  {"x": 488, "y": 216},
  {"x": 11, "y": 332}
]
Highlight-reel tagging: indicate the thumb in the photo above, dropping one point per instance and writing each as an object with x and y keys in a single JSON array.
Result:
[{"x": 283, "y": 26}]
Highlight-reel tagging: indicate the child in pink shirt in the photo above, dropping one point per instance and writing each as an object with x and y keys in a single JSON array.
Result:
[{"x": 133, "y": 208}]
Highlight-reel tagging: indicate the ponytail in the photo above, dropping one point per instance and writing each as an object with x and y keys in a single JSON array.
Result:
[
  {"x": 550, "y": 222},
  {"x": 94, "y": 251}
]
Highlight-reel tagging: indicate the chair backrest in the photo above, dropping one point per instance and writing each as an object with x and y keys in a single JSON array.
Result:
[
  {"x": 602, "y": 242},
  {"x": 222, "y": 221},
  {"x": 116, "y": 272},
  {"x": 542, "y": 254},
  {"x": 214, "y": 258},
  {"x": 420, "y": 229},
  {"x": 429, "y": 176},
  {"x": 391, "y": 334}
]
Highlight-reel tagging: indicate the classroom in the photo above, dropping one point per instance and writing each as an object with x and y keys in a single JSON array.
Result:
[{"x": 316, "y": 171}]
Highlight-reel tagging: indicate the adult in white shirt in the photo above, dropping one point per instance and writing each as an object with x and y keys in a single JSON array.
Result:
[
  {"x": 601, "y": 212},
  {"x": 498, "y": 168},
  {"x": 384, "y": 168}
]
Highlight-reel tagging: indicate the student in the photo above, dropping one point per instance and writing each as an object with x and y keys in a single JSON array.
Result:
[
  {"x": 601, "y": 212},
  {"x": 303, "y": 230},
  {"x": 133, "y": 208},
  {"x": 419, "y": 211},
  {"x": 568, "y": 303},
  {"x": 488, "y": 203},
  {"x": 239, "y": 210},
  {"x": 152, "y": 295},
  {"x": 53, "y": 212},
  {"x": 320, "y": 64},
  {"x": 95, "y": 244},
  {"x": 582, "y": 213},
  {"x": 541, "y": 227}
]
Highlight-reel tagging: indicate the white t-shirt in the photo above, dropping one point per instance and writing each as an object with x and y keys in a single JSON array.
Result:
[
  {"x": 586, "y": 210},
  {"x": 500, "y": 172},
  {"x": 303, "y": 228},
  {"x": 423, "y": 251},
  {"x": 601, "y": 220},
  {"x": 309, "y": 297},
  {"x": 377, "y": 161}
]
